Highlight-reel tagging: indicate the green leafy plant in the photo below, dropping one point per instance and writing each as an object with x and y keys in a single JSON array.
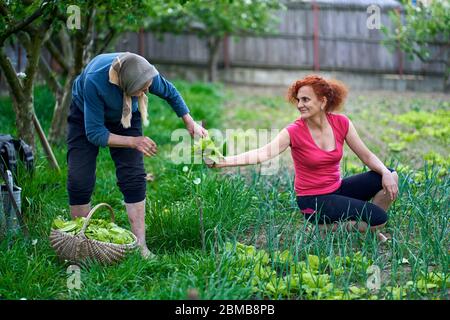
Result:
[
  {"x": 281, "y": 274},
  {"x": 421, "y": 26},
  {"x": 206, "y": 147},
  {"x": 97, "y": 229}
]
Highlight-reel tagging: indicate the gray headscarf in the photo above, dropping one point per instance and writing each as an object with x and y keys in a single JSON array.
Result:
[{"x": 133, "y": 72}]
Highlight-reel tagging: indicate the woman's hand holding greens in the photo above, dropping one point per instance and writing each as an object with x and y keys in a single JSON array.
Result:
[{"x": 194, "y": 128}]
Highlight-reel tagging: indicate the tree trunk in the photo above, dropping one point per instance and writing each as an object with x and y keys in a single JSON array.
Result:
[
  {"x": 73, "y": 60},
  {"x": 24, "y": 119},
  {"x": 24, "y": 115},
  {"x": 22, "y": 101},
  {"x": 22, "y": 89},
  {"x": 213, "y": 57},
  {"x": 58, "y": 129}
]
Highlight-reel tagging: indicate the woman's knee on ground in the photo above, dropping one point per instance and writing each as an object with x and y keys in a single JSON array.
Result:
[{"x": 378, "y": 219}]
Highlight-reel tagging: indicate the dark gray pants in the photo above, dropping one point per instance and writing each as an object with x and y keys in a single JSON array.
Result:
[{"x": 82, "y": 156}]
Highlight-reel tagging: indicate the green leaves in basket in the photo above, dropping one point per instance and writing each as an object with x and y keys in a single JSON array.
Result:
[
  {"x": 58, "y": 223},
  {"x": 65, "y": 226},
  {"x": 97, "y": 229}
]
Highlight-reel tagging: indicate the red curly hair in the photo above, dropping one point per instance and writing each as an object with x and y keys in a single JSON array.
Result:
[{"x": 334, "y": 90}]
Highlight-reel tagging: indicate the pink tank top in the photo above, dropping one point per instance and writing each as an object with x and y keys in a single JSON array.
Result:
[{"x": 317, "y": 171}]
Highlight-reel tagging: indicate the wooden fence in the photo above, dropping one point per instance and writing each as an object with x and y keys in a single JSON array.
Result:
[
  {"x": 309, "y": 36},
  {"x": 316, "y": 37}
]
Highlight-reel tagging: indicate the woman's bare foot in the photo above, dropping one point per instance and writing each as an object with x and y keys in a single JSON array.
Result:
[{"x": 146, "y": 253}]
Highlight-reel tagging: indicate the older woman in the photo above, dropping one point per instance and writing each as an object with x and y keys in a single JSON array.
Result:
[
  {"x": 109, "y": 102},
  {"x": 316, "y": 140}
]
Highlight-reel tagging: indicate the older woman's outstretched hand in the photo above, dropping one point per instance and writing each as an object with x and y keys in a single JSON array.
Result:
[
  {"x": 145, "y": 145},
  {"x": 194, "y": 129},
  {"x": 198, "y": 130}
]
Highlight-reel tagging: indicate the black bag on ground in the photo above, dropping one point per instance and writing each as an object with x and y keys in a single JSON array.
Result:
[{"x": 12, "y": 150}]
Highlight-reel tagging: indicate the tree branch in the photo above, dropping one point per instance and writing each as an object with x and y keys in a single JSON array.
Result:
[
  {"x": 11, "y": 76},
  {"x": 49, "y": 75},
  {"x": 427, "y": 60},
  {"x": 32, "y": 61},
  {"x": 106, "y": 41},
  {"x": 24, "y": 39},
  {"x": 78, "y": 53},
  {"x": 66, "y": 45},
  {"x": 34, "y": 52},
  {"x": 56, "y": 54},
  {"x": 61, "y": 16},
  {"x": 90, "y": 19},
  {"x": 89, "y": 33},
  {"x": 21, "y": 25},
  {"x": 4, "y": 9}
]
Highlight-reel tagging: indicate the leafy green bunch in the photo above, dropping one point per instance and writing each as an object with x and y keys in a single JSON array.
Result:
[
  {"x": 207, "y": 148},
  {"x": 97, "y": 229}
]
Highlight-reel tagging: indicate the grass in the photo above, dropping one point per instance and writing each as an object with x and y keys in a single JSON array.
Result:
[{"x": 242, "y": 206}]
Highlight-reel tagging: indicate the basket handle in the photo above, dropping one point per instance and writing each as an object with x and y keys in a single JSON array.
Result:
[{"x": 91, "y": 213}]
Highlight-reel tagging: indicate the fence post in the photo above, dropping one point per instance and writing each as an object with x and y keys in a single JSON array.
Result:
[
  {"x": 316, "y": 36},
  {"x": 141, "y": 48},
  {"x": 399, "y": 51},
  {"x": 226, "y": 51}
]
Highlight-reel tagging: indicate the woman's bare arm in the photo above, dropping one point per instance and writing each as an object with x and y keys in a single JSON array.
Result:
[
  {"x": 144, "y": 144},
  {"x": 364, "y": 154},
  {"x": 267, "y": 152},
  {"x": 371, "y": 160}
]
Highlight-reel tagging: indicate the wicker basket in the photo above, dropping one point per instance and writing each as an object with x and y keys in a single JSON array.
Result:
[{"x": 78, "y": 248}]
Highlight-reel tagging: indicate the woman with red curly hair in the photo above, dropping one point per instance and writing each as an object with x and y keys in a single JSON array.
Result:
[{"x": 316, "y": 139}]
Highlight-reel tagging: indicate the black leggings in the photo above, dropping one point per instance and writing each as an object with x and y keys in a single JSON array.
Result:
[
  {"x": 349, "y": 202},
  {"x": 82, "y": 155}
]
